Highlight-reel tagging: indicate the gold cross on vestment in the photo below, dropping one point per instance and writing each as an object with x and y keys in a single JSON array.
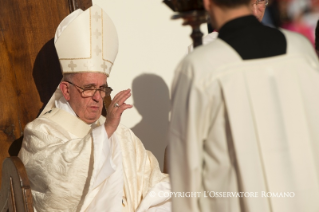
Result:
[
  {"x": 72, "y": 65},
  {"x": 89, "y": 65},
  {"x": 104, "y": 66},
  {"x": 96, "y": 16},
  {"x": 97, "y": 34}
]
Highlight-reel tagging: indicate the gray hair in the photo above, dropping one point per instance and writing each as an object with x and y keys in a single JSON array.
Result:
[{"x": 68, "y": 77}]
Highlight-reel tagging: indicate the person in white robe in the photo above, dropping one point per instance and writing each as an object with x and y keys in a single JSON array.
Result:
[
  {"x": 76, "y": 159},
  {"x": 244, "y": 122}
]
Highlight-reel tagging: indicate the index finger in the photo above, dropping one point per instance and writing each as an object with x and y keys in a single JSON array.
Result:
[{"x": 120, "y": 95}]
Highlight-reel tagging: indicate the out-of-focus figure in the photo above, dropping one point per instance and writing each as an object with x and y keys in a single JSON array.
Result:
[
  {"x": 295, "y": 15},
  {"x": 317, "y": 38}
]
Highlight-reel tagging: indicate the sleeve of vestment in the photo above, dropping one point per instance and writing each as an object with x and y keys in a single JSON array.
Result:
[
  {"x": 190, "y": 122},
  {"x": 157, "y": 198},
  {"x": 142, "y": 174}
]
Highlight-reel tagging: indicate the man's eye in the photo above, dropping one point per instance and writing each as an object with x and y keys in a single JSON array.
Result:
[{"x": 88, "y": 89}]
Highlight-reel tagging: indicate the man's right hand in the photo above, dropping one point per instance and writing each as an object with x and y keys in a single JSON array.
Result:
[{"x": 115, "y": 110}]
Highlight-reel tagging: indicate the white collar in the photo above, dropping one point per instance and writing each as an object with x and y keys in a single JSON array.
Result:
[{"x": 64, "y": 105}]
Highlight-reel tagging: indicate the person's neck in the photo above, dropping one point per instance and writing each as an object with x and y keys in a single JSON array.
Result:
[{"x": 223, "y": 15}]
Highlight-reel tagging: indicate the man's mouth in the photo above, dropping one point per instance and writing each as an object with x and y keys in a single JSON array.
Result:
[{"x": 94, "y": 107}]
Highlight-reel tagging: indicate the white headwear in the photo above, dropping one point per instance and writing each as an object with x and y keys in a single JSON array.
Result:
[
  {"x": 65, "y": 22},
  {"x": 86, "y": 41}
]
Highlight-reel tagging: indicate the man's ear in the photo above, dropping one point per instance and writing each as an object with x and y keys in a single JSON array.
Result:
[
  {"x": 207, "y": 5},
  {"x": 64, "y": 87}
]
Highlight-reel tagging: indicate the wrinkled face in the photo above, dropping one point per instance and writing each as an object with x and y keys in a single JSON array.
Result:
[
  {"x": 88, "y": 109},
  {"x": 259, "y": 8}
]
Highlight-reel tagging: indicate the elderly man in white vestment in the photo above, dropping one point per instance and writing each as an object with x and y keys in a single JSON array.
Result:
[
  {"x": 76, "y": 159},
  {"x": 244, "y": 125}
]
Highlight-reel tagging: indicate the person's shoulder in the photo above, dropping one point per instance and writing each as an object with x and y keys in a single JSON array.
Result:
[
  {"x": 206, "y": 60},
  {"x": 38, "y": 122},
  {"x": 216, "y": 52},
  {"x": 293, "y": 36},
  {"x": 43, "y": 124},
  {"x": 210, "y": 38},
  {"x": 42, "y": 130},
  {"x": 297, "y": 43},
  {"x": 205, "y": 40}
]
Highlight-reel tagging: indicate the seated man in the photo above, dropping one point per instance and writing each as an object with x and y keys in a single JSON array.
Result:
[{"x": 76, "y": 159}]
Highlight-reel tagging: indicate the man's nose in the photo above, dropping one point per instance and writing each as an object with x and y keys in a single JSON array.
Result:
[{"x": 97, "y": 96}]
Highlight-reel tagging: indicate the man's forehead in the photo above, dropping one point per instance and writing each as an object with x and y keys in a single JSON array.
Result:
[{"x": 91, "y": 78}]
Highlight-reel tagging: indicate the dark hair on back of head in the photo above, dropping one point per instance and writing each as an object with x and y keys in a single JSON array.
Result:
[{"x": 231, "y": 3}]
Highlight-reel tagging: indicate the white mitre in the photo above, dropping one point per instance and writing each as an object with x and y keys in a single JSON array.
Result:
[{"x": 86, "y": 41}]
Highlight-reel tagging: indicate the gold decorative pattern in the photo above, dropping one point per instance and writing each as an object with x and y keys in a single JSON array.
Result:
[
  {"x": 72, "y": 65},
  {"x": 88, "y": 64},
  {"x": 103, "y": 39},
  {"x": 97, "y": 33},
  {"x": 85, "y": 72},
  {"x": 96, "y": 16},
  {"x": 104, "y": 66},
  {"x": 97, "y": 50}
]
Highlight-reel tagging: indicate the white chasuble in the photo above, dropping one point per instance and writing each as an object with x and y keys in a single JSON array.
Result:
[
  {"x": 246, "y": 126},
  {"x": 73, "y": 166}
]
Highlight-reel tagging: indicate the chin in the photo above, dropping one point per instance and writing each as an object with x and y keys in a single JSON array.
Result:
[
  {"x": 93, "y": 117},
  {"x": 91, "y": 120}
]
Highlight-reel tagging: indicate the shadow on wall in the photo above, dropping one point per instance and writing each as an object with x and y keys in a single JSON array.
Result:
[
  {"x": 47, "y": 72},
  {"x": 151, "y": 99}
]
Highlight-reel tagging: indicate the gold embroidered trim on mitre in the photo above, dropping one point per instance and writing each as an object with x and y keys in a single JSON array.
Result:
[
  {"x": 103, "y": 39},
  {"x": 86, "y": 72}
]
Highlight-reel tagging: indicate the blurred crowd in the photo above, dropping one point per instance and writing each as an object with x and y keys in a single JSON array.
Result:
[{"x": 296, "y": 15}]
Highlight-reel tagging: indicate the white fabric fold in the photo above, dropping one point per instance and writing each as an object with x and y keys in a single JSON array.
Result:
[
  {"x": 65, "y": 22},
  {"x": 103, "y": 164},
  {"x": 153, "y": 202},
  {"x": 253, "y": 123},
  {"x": 105, "y": 191},
  {"x": 107, "y": 195},
  {"x": 64, "y": 105}
]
